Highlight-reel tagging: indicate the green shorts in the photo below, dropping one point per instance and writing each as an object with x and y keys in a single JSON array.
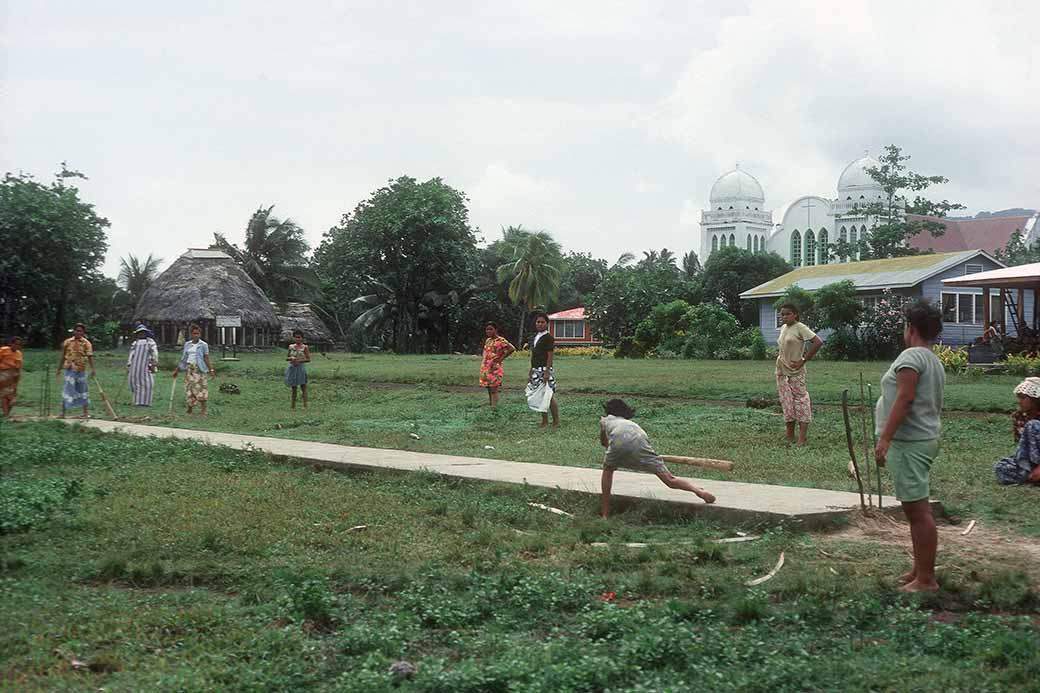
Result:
[{"x": 909, "y": 463}]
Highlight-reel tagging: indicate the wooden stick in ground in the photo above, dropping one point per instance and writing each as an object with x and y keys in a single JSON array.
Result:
[
  {"x": 104, "y": 398},
  {"x": 852, "y": 448},
  {"x": 724, "y": 465},
  {"x": 866, "y": 439},
  {"x": 873, "y": 437},
  {"x": 173, "y": 389}
]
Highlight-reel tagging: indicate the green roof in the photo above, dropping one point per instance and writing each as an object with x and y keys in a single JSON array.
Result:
[{"x": 899, "y": 272}]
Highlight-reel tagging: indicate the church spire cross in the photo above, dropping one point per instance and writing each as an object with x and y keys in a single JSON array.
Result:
[{"x": 809, "y": 207}]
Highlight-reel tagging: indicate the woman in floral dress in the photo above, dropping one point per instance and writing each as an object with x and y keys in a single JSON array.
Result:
[{"x": 496, "y": 350}]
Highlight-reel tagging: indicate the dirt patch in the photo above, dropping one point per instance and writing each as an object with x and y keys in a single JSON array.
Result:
[{"x": 985, "y": 548}]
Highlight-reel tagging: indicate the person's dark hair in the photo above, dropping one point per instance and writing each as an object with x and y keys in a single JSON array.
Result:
[
  {"x": 490, "y": 323},
  {"x": 925, "y": 318},
  {"x": 617, "y": 407},
  {"x": 79, "y": 324},
  {"x": 791, "y": 307},
  {"x": 14, "y": 338},
  {"x": 297, "y": 333},
  {"x": 540, "y": 314},
  {"x": 192, "y": 327}
]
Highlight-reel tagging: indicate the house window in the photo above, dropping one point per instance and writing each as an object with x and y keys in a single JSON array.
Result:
[
  {"x": 962, "y": 309},
  {"x": 779, "y": 322},
  {"x": 972, "y": 269},
  {"x": 569, "y": 329}
]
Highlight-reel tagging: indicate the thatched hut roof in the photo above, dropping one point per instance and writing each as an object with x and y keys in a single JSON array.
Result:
[
  {"x": 201, "y": 285},
  {"x": 300, "y": 316}
]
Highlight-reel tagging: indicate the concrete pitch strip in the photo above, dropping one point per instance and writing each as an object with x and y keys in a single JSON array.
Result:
[{"x": 737, "y": 501}]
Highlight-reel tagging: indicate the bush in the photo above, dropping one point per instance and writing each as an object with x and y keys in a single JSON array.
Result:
[
  {"x": 629, "y": 348},
  {"x": 1023, "y": 364},
  {"x": 711, "y": 329},
  {"x": 953, "y": 360},
  {"x": 843, "y": 345},
  {"x": 28, "y": 504}
]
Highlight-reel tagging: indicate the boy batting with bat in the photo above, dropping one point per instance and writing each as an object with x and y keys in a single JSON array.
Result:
[{"x": 628, "y": 447}]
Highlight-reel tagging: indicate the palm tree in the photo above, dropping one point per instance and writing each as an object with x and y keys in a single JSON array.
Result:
[
  {"x": 136, "y": 276},
  {"x": 274, "y": 256},
  {"x": 533, "y": 274},
  {"x": 691, "y": 265}
]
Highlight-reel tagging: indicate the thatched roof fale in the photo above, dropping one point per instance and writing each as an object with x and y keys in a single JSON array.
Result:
[
  {"x": 300, "y": 316},
  {"x": 202, "y": 284}
]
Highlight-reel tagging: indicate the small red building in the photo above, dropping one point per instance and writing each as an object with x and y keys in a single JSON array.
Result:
[{"x": 571, "y": 328}]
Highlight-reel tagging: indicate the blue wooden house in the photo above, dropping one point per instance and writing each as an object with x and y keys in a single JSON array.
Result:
[{"x": 914, "y": 276}]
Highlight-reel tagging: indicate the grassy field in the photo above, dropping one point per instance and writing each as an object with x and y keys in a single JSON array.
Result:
[
  {"x": 380, "y": 401},
  {"x": 144, "y": 564}
]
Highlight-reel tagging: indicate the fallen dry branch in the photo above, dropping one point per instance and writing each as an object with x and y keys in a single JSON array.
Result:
[
  {"x": 769, "y": 575},
  {"x": 724, "y": 465},
  {"x": 555, "y": 511},
  {"x": 971, "y": 526}
]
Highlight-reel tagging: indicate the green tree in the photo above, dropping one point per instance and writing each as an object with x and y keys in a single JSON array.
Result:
[
  {"x": 407, "y": 239},
  {"x": 1016, "y": 252},
  {"x": 837, "y": 306},
  {"x": 801, "y": 299},
  {"x": 52, "y": 243},
  {"x": 274, "y": 255},
  {"x": 628, "y": 293},
  {"x": 691, "y": 266},
  {"x": 731, "y": 271},
  {"x": 892, "y": 231},
  {"x": 581, "y": 274},
  {"x": 135, "y": 275},
  {"x": 532, "y": 274},
  {"x": 662, "y": 328}
]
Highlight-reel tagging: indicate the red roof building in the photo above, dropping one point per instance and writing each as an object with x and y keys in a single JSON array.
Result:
[
  {"x": 572, "y": 328},
  {"x": 990, "y": 234}
]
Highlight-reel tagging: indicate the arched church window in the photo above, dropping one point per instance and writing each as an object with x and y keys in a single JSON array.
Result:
[
  {"x": 714, "y": 243},
  {"x": 731, "y": 206},
  {"x": 853, "y": 245},
  {"x": 749, "y": 241},
  {"x": 796, "y": 248},
  {"x": 810, "y": 248},
  {"x": 843, "y": 238},
  {"x": 755, "y": 244},
  {"x": 863, "y": 236},
  {"x": 732, "y": 241},
  {"x": 824, "y": 250}
]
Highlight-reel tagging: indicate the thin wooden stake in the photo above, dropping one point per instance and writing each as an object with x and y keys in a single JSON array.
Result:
[
  {"x": 852, "y": 447},
  {"x": 866, "y": 439},
  {"x": 104, "y": 398},
  {"x": 873, "y": 437}
]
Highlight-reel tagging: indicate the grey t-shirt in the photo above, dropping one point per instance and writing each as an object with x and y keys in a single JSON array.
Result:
[{"x": 922, "y": 421}]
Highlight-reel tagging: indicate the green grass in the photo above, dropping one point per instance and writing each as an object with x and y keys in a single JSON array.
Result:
[
  {"x": 349, "y": 407},
  {"x": 148, "y": 564}
]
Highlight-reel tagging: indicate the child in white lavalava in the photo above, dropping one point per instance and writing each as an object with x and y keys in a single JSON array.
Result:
[{"x": 629, "y": 447}]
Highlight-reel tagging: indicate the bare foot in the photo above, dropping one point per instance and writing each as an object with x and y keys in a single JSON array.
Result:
[
  {"x": 801, "y": 443},
  {"x": 543, "y": 424},
  {"x": 918, "y": 586},
  {"x": 907, "y": 578},
  {"x": 556, "y": 424},
  {"x": 706, "y": 497}
]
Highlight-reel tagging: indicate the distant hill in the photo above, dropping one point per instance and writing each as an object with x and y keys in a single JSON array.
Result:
[{"x": 1014, "y": 212}]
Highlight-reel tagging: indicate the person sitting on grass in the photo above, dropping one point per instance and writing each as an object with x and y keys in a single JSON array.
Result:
[
  {"x": 1024, "y": 466},
  {"x": 296, "y": 371},
  {"x": 628, "y": 447},
  {"x": 10, "y": 373},
  {"x": 908, "y": 428},
  {"x": 195, "y": 363}
]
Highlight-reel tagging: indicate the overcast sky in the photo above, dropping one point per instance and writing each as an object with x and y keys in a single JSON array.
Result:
[{"x": 603, "y": 122}]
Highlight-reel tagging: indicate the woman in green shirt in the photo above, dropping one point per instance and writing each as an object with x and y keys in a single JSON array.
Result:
[{"x": 908, "y": 428}]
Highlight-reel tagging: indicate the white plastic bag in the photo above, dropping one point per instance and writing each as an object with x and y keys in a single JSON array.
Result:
[{"x": 538, "y": 398}]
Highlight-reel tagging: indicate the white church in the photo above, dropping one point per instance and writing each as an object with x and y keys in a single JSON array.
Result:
[{"x": 738, "y": 217}]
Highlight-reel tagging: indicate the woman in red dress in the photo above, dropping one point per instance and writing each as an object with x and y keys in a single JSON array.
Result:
[{"x": 496, "y": 350}]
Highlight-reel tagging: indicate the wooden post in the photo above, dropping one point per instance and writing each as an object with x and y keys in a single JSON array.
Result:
[
  {"x": 985, "y": 312},
  {"x": 1021, "y": 307}
]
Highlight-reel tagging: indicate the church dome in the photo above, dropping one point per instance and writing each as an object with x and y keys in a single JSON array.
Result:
[
  {"x": 736, "y": 186},
  {"x": 855, "y": 179}
]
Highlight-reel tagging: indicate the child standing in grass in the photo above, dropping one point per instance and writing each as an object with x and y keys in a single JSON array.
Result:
[
  {"x": 628, "y": 447},
  {"x": 296, "y": 371},
  {"x": 10, "y": 373}
]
